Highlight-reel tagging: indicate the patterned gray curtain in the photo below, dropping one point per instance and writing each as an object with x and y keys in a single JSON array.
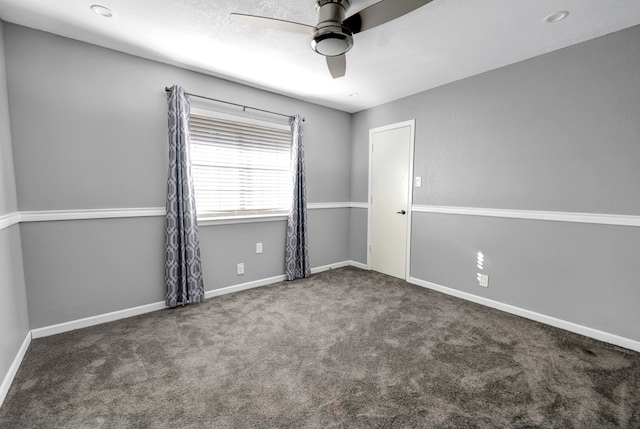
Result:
[
  {"x": 183, "y": 267},
  {"x": 297, "y": 248}
]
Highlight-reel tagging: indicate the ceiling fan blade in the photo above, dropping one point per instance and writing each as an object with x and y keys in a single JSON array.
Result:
[
  {"x": 381, "y": 12},
  {"x": 275, "y": 24},
  {"x": 337, "y": 65}
]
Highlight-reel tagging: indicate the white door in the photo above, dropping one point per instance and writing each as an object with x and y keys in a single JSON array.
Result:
[{"x": 390, "y": 168}]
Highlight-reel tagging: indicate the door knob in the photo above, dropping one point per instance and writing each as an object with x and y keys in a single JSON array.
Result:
[{"x": 402, "y": 212}]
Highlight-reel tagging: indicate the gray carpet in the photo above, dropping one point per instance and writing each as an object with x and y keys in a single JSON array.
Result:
[{"x": 343, "y": 349}]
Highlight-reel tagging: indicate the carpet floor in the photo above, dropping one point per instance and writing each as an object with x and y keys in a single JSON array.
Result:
[{"x": 345, "y": 348}]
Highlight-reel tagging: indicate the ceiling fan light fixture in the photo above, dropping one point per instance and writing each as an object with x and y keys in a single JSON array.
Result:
[
  {"x": 331, "y": 38},
  {"x": 332, "y": 41},
  {"x": 332, "y": 35}
]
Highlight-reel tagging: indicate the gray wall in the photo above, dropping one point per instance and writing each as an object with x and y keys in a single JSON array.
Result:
[
  {"x": 559, "y": 132},
  {"x": 76, "y": 269},
  {"x": 358, "y": 220},
  {"x": 572, "y": 271},
  {"x": 14, "y": 323},
  {"x": 101, "y": 142},
  {"x": 8, "y": 199}
]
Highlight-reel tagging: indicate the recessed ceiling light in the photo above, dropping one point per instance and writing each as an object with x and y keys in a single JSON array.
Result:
[
  {"x": 102, "y": 11},
  {"x": 354, "y": 94},
  {"x": 555, "y": 17}
]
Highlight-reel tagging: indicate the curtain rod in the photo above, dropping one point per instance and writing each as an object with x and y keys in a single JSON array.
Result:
[{"x": 167, "y": 89}]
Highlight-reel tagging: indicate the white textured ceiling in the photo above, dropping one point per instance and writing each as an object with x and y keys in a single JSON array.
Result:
[{"x": 441, "y": 42}]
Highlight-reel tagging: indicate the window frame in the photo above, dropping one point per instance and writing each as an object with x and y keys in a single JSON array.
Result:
[{"x": 205, "y": 219}]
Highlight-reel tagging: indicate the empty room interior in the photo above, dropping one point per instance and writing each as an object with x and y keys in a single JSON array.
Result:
[{"x": 457, "y": 247}]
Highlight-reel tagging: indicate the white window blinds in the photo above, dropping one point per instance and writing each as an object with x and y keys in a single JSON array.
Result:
[{"x": 239, "y": 168}]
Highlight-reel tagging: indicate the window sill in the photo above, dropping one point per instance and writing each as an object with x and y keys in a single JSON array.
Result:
[{"x": 228, "y": 220}]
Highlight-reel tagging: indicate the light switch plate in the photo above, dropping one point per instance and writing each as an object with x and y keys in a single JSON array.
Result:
[{"x": 418, "y": 181}]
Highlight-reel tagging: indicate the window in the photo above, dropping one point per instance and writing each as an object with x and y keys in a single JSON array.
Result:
[{"x": 239, "y": 166}]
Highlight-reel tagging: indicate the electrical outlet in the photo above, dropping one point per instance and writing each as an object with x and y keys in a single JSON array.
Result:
[
  {"x": 418, "y": 181},
  {"x": 240, "y": 268},
  {"x": 483, "y": 280},
  {"x": 258, "y": 247}
]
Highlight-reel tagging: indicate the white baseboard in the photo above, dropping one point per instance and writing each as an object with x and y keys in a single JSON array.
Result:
[
  {"x": 96, "y": 320},
  {"x": 272, "y": 280},
  {"x": 549, "y": 320},
  {"x": 135, "y": 311},
  {"x": 329, "y": 267},
  {"x": 359, "y": 265},
  {"x": 532, "y": 315},
  {"x": 13, "y": 369},
  {"x": 243, "y": 286}
]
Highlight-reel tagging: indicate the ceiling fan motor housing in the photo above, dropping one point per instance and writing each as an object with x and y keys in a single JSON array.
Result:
[{"x": 330, "y": 37}]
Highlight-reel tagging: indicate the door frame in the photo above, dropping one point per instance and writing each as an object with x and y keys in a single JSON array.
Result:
[{"x": 412, "y": 129}]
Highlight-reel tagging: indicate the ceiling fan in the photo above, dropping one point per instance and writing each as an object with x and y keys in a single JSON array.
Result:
[{"x": 333, "y": 34}]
